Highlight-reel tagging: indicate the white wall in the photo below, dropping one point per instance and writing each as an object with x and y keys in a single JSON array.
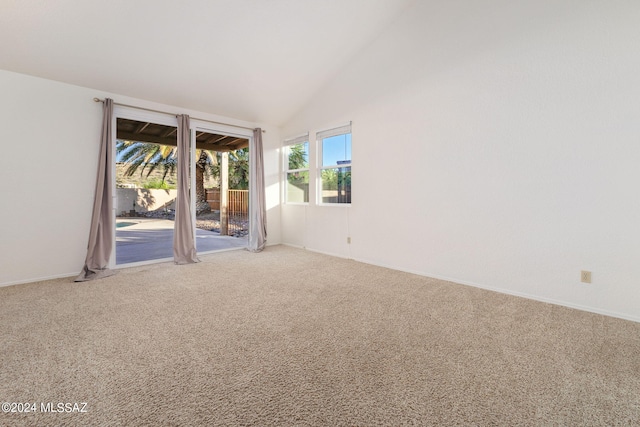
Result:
[
  {"x": 50, "y": 138},
  {"x": 496, "y": 144}
]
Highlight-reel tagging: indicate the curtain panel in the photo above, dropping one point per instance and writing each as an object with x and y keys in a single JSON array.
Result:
[
  {"x": 257, "y": 204},
  {"x": 184, "y": 248},
  {"x": 101, "y": 231}
]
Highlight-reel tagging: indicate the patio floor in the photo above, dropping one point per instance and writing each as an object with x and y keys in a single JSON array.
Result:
[{"x": 150, "y": 239}]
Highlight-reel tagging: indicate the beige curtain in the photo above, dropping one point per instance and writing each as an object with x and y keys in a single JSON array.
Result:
[
  {"x": 184, "y": 248},
  {"x": 257, "y": 204},
  {"x": 101, "y": 232}
]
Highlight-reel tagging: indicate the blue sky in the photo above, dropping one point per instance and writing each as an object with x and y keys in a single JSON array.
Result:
[{"x": 336, "y": 148}]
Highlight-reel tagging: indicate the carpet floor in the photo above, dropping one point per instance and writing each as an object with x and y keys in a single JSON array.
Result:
[{"x": 289, "y": 337}]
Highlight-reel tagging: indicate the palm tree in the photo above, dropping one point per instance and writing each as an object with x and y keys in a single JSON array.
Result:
[
  {"x": 239, "y": 169},
  {"x": 298, "y": 157},
  {"x": 207, "y": 164},
  {"x": 148, "y": 157}
]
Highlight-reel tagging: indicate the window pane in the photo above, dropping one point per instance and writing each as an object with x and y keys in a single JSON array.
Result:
[
  {"x": 336, "y": 150},
  {"x": 298, "y": 155},
  {"x": 298, "y": 187},
  {"x": 336, "y": 185}
]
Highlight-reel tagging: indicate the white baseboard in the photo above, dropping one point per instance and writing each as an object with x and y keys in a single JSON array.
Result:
[
  {"x": 589, "y": 309},
  {"x": 291, "y": 245},
  {"x": 40, "y": 279}
]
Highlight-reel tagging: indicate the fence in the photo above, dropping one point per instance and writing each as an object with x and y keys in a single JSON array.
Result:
[
  {"x": 237, "y": 209},
  {"x": 213, "y": 198},
  {"x": 142, "y": 201}
]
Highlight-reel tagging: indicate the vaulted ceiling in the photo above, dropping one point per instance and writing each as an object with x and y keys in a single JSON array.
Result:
[{"x": 256, "y": 60}]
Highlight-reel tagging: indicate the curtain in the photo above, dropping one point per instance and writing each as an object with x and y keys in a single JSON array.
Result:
[
  {"x": 257, "y": 205},
  {"x": 101, "y": 232},
  {"x": 184, "y": 248}
]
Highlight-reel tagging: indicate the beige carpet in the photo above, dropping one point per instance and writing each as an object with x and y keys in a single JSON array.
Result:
[{"x": 288, "y": 337}]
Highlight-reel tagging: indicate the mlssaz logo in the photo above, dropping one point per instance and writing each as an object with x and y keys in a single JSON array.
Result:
[{"x": 77, "y": 407}]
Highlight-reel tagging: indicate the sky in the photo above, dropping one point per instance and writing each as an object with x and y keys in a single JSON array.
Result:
[{"x": 335, "y": 149}]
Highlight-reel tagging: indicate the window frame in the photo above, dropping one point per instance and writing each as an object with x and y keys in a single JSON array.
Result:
[
  {"x": 287, "y": 144},
  {"x": 320, "y": 137}
]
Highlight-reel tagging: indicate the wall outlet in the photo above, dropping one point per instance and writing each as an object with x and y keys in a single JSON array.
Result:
[
  {"x": 348, "y": 240},
  {"x": 585, "y": 276}
]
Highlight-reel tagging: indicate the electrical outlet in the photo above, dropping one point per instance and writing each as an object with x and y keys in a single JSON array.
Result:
[
  {"x": 585, "y": 276},
  {"x": 348, "y": 240}
]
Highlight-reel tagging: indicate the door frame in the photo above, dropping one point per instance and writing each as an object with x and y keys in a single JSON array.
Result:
[
  {"x": 220, "y": 129},
  {"x": 167, "y": 119}
]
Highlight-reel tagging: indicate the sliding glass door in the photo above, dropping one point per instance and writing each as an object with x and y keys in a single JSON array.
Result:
[
  {"x": 220, "y": 184},
  {"x": 146, "y": 179},
  {"x": 146, "y": 186}
]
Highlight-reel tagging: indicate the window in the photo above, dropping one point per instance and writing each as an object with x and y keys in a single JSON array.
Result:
[
  {"x": 297, "y": 169},
  {"x": 335, "y": 165}
]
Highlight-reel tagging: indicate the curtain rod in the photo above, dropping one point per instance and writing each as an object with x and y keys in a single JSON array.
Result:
[{"x": 164, "y": 112}]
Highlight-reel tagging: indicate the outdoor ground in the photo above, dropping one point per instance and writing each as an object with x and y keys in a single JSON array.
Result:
[{"x": 144, "y": 239}]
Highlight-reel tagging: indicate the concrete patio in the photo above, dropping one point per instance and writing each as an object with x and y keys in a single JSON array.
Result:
[{"x": 150, "y": 239}]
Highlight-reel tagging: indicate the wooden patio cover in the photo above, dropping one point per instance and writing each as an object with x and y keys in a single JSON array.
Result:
[{"x": 134, "y": 130}]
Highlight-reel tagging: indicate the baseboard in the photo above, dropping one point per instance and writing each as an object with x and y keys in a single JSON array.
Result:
[
  {"x": 40, "y": 279},
  {"x": 609, "y": 313},
  {"x": 548, "y": 300},
  {"x": 291, "y": 245},
  {"x": 589, "y": 309},
  {"x": 330, "y": 254}
]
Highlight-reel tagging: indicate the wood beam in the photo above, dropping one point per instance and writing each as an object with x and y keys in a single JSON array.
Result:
[
  {"x": 222, "y": 141},
  {"x": 233, "y": 141},
  {"x": 141, "y": 127},
  {"x": 169, "y": 132},
  {"x": 215, "y": 138},
  {"x": 132, "y": 136},
  {"x": 242, "y": 143}
]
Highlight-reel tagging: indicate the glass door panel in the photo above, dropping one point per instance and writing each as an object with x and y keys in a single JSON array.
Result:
[{"x": 146, "y": 181}]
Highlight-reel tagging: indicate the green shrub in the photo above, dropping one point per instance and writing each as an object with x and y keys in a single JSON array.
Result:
[{"x": 158, "y": 184}]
